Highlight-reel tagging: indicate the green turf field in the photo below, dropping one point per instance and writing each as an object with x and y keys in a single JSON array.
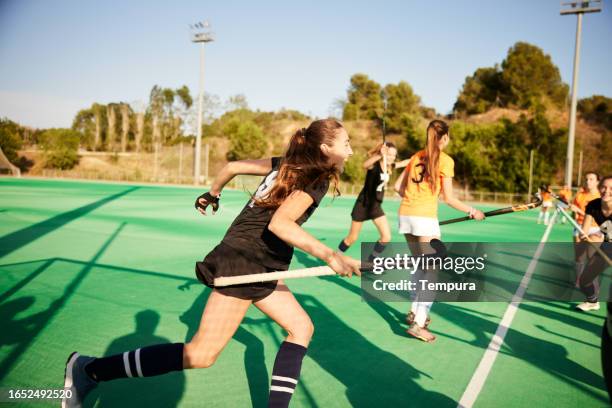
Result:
[{"x": 104, "y": 268}]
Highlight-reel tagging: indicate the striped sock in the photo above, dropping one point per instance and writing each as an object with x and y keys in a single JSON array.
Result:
[
  {"x": 143, "y": 362},
  {"x": 285, "y": 374}
]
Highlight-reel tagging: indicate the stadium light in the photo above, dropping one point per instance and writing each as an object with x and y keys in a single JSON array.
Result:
[
  {"x": 579, "y": 8},
  {"x": 200, "y": 34}
]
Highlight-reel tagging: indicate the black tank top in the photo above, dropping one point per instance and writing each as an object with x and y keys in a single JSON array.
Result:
[{"x": 368, "y": 194}]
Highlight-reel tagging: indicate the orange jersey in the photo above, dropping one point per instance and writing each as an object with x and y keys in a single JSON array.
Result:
[
  {"x": 419, "y": 199},
  {"x": 581, "y": 200},
  {"x": 546, "y": 196},
  {"x": 566, "y": 195}
]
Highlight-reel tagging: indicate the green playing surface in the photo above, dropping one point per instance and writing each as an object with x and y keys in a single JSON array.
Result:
[{"x": 104, "y": 268}]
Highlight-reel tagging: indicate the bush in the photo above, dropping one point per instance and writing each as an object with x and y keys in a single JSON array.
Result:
[
  {"x": 10, "y": 140},
  {"x": 247, "y": 140},
  {"x": 60, "y": 148},
  {"x": 353, "y": 169}
]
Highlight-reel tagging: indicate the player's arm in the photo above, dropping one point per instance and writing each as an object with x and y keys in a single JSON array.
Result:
[
  {"x": 284, "y": 225},
  {"x": 259, "y": 167},
  {"x": 372, "y": 161},
  {"x": 401, "y": 164},
  {"x": 451, "y": 200}
]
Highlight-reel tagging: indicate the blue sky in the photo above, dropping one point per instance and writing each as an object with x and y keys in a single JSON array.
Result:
[{"x": 59, "y": 56}]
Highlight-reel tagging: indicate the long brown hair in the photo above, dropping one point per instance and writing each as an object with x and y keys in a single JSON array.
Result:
[
  {"x": 304, "y": 162},
  {"x": 435, "y": 131}
]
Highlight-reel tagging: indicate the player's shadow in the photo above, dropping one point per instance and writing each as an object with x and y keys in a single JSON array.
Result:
[
  {"x": 159, "y": 391},
  {"x": 547, "y": 356},
  {"x": 371, "y": 375},
  {"x": 15, "y": 331},
  {"x": 395, "y": 319},
  {"x": 254, "y": 358}
]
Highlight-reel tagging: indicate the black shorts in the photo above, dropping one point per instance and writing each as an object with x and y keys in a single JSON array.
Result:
[
  {"x": 361, "y": 212},
  {"x": 224, "y": 260}
]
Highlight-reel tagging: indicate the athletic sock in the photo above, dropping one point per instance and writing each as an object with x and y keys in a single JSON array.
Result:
[
  {"x": 546, "y": 216},
  {"x": 342, "y": 246},
  {"x": 379, "y": 248},
  {"x": 143, "y": 362},
  {"x": 422, "y": 313},
  {"x": 285, "y": 374},
  {"x": 540, "y": 215}
]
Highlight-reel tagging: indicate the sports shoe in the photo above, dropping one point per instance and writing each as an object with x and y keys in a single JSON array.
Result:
[
  {"x": 588, "y": 306},
  {"x": 410, "y": 317},
  {"x": 421, "y": 333},
  {"x": 77, "y": 383}
]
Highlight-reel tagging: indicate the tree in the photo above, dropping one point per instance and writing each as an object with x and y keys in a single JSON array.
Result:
[
  {"x": 597, "y": 109},
  {"x": 364, "y": 99},
  {"x": 247, "y": 140},
  {"x": 125, "y": 125},
  {"x": 527, "y": 78},
  {"x": 402, "y": 105},
  {"x": 111, "y": 133},
  {"x": 482, "y": 91},
  {"x": 531, "y": 77},
  {"x": 60, "y": 148},
  {"x": 10, "y": 139}
]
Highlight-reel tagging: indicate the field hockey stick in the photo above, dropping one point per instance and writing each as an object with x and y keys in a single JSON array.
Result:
[
  {"x": 272, "y": 276},
  {"x": 561, "y": 207},
  {"x": 384, "y": 177},
  {"x": 500, "y": 211},
  {"x": 436, "y": 244}
]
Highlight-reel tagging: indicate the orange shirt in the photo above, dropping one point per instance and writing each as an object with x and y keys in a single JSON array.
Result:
[
  {"x": 546, "y": 196},
  {"x": 581, "y": 200},
  {"x": 566, "y": 195},
  {"x": 419, "y": 199}
]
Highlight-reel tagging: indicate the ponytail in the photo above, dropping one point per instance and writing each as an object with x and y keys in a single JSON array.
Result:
[
  {"x": 435, "y": 131},
  {"x": 304, "y": 162}
]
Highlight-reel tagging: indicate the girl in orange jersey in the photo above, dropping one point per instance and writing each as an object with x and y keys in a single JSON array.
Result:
[
  {"x": 428, "y": 174},
  {"x": 545, "y": 195},
  {"x": 588, "y": 193}
]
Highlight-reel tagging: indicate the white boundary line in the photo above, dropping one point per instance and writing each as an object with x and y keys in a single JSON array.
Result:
[{"x": 486, "y": 363}]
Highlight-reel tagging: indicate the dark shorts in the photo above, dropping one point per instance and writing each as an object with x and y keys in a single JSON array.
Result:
[
  {"x": 224, "y": 260},
  {"x": 361, "y": 212}
]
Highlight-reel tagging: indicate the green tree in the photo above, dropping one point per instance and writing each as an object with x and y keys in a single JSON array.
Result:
[
  {"x": 482, "y": 91},
  {"x": 532, "y": 77},
  {"x": 10, "y": 139},
  {"x": 402, "y": 106},
  {"x": 364, "y": 99},
  {"x": 60, "y": 148},
  {"x": 597, "y": 109},
  {"x": 247, "y": 140}
]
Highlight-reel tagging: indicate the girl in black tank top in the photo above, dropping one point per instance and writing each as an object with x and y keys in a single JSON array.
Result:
[
  {"x": 368, "y": 205},
  {"x": 261, "y": 239}
]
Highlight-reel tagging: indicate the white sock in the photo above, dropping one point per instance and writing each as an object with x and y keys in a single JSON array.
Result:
[
  {"x": 422, "y": 313},
  {"x": 546, "y": 216}
]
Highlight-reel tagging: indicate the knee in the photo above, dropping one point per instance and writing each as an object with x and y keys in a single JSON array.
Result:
[
  {"x": 198, "y": 357},
  {"x": 301, "y": 331}
]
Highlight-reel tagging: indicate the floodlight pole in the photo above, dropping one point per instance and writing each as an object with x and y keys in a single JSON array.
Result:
[
  {"x": 202, "y": 37},
  {"x": 579, "y": 8}
]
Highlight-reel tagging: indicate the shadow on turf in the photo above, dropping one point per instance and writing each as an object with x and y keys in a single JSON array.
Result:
[
  {"x": 547, "y": 356},
  {"x": 36, "y": 323},
  {"x": 160, "y": 391},
  {"x": 15, "y": 240}
]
